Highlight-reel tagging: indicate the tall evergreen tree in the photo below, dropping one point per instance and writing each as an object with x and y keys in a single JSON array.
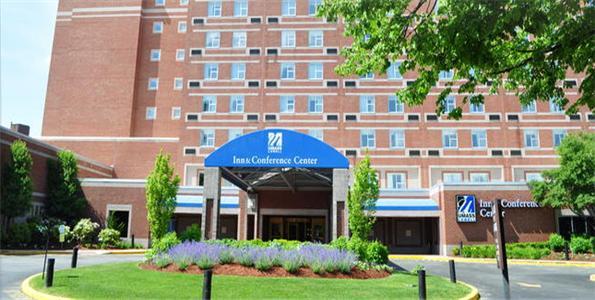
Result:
[
  {"x": 362, "y": 200},
  {"x": 161, "y": 191},
  {"x": 17, "y": 186},
  {"x": 65, "y": 197}
]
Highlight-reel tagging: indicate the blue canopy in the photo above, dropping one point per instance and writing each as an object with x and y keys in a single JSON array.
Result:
[{"x": 277, "y": 148}]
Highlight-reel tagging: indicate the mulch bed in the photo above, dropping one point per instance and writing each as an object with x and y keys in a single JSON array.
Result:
[
  {"x": 573, "y": 257},
  {"x": 239, "y": 270}
]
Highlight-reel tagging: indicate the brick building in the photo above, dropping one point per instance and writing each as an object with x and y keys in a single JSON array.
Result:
[{"x": 130, "y": 78}]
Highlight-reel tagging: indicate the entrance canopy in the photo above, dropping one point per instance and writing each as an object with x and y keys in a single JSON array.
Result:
[{"x": 277, "y": 159}]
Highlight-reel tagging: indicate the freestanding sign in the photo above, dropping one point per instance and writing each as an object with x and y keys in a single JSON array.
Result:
[{"x": 500, "y": 241}]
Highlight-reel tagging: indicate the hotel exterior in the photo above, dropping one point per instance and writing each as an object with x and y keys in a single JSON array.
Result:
[{"x": 265, "y": 135}]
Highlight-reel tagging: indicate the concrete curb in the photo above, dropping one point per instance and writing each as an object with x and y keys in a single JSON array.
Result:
[
  {"x": 563, "y": 263},
  {"x": 473, "y": 295},
  {"x": 124, "y": 252},
  {"x": 81, "y": 252},
  {"x": 34, "y": 294}
]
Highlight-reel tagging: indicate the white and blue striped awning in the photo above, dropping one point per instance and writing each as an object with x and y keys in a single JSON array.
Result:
[
  {"x": 396, "y": 204},
  {"x": 195, "y": 201}
]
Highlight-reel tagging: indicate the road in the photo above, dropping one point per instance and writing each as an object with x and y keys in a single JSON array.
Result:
[
  {"x": 526, "y": 281},
  {"x": 15, "y": 269}
]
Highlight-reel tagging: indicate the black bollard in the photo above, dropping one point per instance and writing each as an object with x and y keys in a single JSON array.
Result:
[
  {"x": 49, "y": 277},
  {"x": 461, "y": 248},
  {"x": 453, "y": 274},
  {"x": 206, "y": 286},
  {"x": 566, "y": 255},
  {"x": 421, "y": 282},
  {"x": 75, "y": 257},
  {"x": 132, "y": 241}
]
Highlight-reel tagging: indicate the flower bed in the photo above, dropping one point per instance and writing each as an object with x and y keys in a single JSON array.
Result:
[{"x": 308, "y": 260}]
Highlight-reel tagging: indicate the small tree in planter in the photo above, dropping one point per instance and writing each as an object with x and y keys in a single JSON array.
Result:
[
  {"x": 361, "y": 200},
  {"x": 17, "y": 186},
  {"x": 161, "y": 190}
]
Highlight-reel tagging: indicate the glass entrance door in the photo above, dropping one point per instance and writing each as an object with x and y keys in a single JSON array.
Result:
[{"x": 310, "y": 229}]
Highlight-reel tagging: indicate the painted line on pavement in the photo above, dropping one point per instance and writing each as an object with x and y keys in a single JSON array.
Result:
[
  {"x": 493, "y": 261},
  {"x": 529, "y": 285}
]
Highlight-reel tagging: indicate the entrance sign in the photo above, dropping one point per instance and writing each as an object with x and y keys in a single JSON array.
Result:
[
  {"x": 500, "y": 241},
  {"x": 485, "y": 207},
  {"x": 280, "y": 148},
  {"x": 466, "y": 212}
]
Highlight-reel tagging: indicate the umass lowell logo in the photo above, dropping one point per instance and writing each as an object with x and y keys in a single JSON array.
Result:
[
  {"x": 275, "y": 143},
  {"x": 466, "y": 212}
]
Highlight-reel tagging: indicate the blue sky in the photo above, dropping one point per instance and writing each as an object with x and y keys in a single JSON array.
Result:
[{"x": 26, "y": 35}]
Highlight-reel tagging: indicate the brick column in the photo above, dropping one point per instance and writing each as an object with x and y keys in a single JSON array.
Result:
[
  {"x": 340, "y": 188},
  {"x": 211, "y": 203}
]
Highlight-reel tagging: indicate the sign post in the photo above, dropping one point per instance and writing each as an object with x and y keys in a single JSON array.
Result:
[{"x": 500, "y": 241}]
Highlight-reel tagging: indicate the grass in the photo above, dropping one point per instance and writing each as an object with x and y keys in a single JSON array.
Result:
[{"x": 126, "y": 281}]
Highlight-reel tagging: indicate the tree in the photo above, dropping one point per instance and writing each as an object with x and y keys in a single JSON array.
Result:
[
  {"x": 65, "y": 197},
  {"x": 572, "y": 185},
  {"x": 161, "y": 191},
  {"x": 17, "y": 186},
  {"x": 522, "y": 46},
  {"x": 361, "y": 200}
]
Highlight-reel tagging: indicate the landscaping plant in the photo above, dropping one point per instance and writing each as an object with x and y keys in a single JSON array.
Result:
[
  {"x": 362, "y": 198},
  {"x": 16, "y": 187},
  {"x": 581, "y": 244},
  {"x": 192, "y": 233},
  {"x": 65, "y": 196},
  {"x": 109, "y": 237},
  {"x": 556, "y": 242},
  {"x": 161, "y": 190},
  {"x": 83, "y": 231}
]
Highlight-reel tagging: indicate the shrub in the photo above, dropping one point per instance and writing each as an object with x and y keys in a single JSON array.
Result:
[
  {"x": 192, "y": 233},
  {"x": 581, "y": 244},
  {"x": 341, "y": 243},
  {"x": 19, "y": 233},
  {"x": 83, "y": 231},
  {"x": 359, "y": 247},
  {"x": 377, "y": 253},
  {"x": 162, "y": 260},
  {"x": 556, "y": 242},
  {"x": 291, "y": 261},
  {"x": 165, "y": 243},
  {"x": 109, "y": 237},
  {"x": 456, "y": 251}
]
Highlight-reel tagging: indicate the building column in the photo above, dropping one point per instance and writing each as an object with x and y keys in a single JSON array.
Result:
[
  {"x": 340, "y": 189},
  {"x": 252, "y": 207},
  {"x": 248, "y": 202},
  {"x": 211, "y": 203}
]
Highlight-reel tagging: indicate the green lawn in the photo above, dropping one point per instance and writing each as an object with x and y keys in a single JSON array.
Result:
[{"x": 126, "y": 281}]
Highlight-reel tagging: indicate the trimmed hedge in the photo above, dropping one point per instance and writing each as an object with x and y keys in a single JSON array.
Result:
[{"x": 515, "y": 250}]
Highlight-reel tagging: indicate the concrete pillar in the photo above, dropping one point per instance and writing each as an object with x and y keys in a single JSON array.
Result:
[
  {"x": 211, "y": 203},
  {"x": 252, "y": 207},
  {"x": 340, "y": 189},
  {"x": 248, "y": 203}
]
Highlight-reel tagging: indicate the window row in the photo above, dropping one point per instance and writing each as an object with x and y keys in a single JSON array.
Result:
[
  {"x": 207, "y": 136},
  {"x": 240, "y": 7},
  {"x": 239, "y": 39}
]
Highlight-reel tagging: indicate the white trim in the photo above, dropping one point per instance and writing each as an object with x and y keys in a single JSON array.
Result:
[
  {"x": 120, "y": 207},
  {"x": 110, "y": 182},
  {"x": 106, "y": 9}
]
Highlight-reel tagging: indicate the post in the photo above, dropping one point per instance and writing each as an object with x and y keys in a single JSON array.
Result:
[
  {"x": 566, "y": 254},
  {"x": 206, "y": 286},
  {"x": 133, "y": 241},
  {"x": 49, "y": 277},
  {"x": 500, "y": 241},
  {"x": 47, "y": 244},
  {"x": 75, "y": 256},
  {"x": 453, "y": 274},
  {"x": 421, "y": 282},
  {"x": 461, "y": 248}
]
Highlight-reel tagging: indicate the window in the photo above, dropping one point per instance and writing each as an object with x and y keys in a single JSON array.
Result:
[
  {"x": 479, "y": 177},
  {"x": 183, "y": 2},
  {"x": 240, "y": 8},
  {"x": 159, "y": 2},
  {"x": 555, "y": 108},
  {"x": 233, "y": 133},
  {"x": 238, "y": 71},
  {"x": 182, "y": 27},
  {"x": 214, "y": 8},
  {"x": 367, "y": 104},
  {"x": 207, "y": 138},
  {"x": 178, "y": 83},
  {"x": 157, "y": 27},
  {"x": 316, "y": 133},
  {"x": 239, "y": 39},
  {"x": 153, "y": 84},
  {"x": 288, "y": 8},
  {"x": 395, "y": 105},
  {"x": 449, "y": 138},
  {"x": 236, "y": 104},
  {"x": 315, "y": 38},
  {"x": 151, "y": 113},
  {"x": 533, "y": 176},
  {"x": 448, "y": 177},
  {"x": 368, "y": 138},
  {"x": 531, "y": 107},
  {"x": 450, "y": 104},
  {"x": 446, "y": 75},
  {"x": 176, "y": 113},
  {"x": 315, "y": 104},
  {"x": 397, "y": 138},
  {"x": 213, "y": 39},
  {"x": 155, "y": 54},
  {"x": 180, "y": 54},
  {"x": 393, "y": 71},
  {"x": 367, "y": 76},
  {"x": 315, "y": 71},
  {"x": 531, "y": 138},
  {"x": 476, "y": 108},
  {"x": 557, "y": 136},
  {"x": 211, "y": 71},
  {"x": 287, "y": 39},
  {"x": 287, "y": 71},
  {"x": 396, "y": 181},
  {"x": 209, "y": 104},
  {"x": 313, "y": 7},
  {"x": 287, "y": 104},
  {"x": 479, "y": 138}
]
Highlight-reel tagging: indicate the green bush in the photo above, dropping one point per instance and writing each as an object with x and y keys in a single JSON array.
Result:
[
  {"x": 341, "y": 243},
  {"x": 456, "y": 251},
  {"x": 359, "y": 247},
  {"x": 109, "y": 237},
  {"x": 285, "y": 244},
  {"x": 83, "y": 231},
  {"x": 581, "y": 244},
  {"x": 534, "y": 250},
  {"x": 376, "y": 253},
  {"x": 556, "y": 242},
  {"x": 167, "y": 241},
  {"x": 19, "y": 233},
  {"x": 192, "y": 233}
]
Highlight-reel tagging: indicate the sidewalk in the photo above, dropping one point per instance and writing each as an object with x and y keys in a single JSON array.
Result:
[
  {"x": 536, "y": 262},
  {"x": 69, "y": 251}
]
